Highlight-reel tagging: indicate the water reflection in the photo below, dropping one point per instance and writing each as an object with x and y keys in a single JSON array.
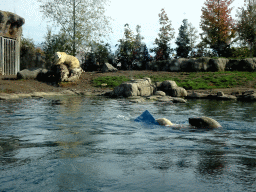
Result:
[
  {"x": 211, "y": 162},
  {"x": 8, "y": 150}
]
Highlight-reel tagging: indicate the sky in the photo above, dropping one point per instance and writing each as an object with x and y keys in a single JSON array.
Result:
[{"x": 133, "y": 12}]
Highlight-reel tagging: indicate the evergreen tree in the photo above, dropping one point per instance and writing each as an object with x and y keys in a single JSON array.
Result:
[
  {"x": 55, "y": 43},
  {"x": 126, "y": 48},
  {"x": 192, "y": 35},
  {"x": 183, "y": 41},
  {"x": 246, "y": 24},
  {"x": 166, "y": 34},
  {"x": 102, "y": 53}
]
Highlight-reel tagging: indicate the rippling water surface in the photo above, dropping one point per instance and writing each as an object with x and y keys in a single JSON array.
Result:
[{"x": 93, "y": 144}]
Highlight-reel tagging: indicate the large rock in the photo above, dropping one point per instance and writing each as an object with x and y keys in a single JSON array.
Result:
[
  {"x": 217, "y": 64},
  {"x": 10, "y": 24},
  {"x": 174, "y": 65},
  {"x": 201, "y": 64},
  {"x": 247, "y": 96},
  {"x": 189, "y": 65},
  {"x": 204, "y": 122},
  {"x": 108, "y": 68},
  {"x": 63, "y": 73},
  {"x": 138, "y": 87},
  {"x": 195, "y": 95},
  {"x": 248, "y": 64},
  {"x": 183, "y": 64},
  {"x": 32, "y": 73},
  {"x": 161, "y": 65},
  {"x": 171, "y": 88},
  {"x": 233, "y": 65}
]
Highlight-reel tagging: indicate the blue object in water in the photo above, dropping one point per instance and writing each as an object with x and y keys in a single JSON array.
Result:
[{"x": 146, "y": 117}]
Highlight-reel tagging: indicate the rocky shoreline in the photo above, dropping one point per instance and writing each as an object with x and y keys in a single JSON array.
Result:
[
  {"x": 160, "y": 96},
  {"x": 12, "y": 88}
]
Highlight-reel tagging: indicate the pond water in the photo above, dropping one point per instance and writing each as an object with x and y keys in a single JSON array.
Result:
[{"x": 94, "y": 144}]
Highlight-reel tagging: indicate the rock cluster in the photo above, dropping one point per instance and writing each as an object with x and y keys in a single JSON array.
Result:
[
  {"x": 137, "y": 87},
  {"x": 32, "y": 73},
  {"x": 245, "y": 96},
  {"x": 58, "y": 73},
  {"x": 62, "y": 73},
  {"x": 13, "y": 96},
  {"x": 204, "y": 64},
  {"x": 172, "y": 89},
  {"x": 144, "y": 87},
  {"x": 108, "y": 68}
]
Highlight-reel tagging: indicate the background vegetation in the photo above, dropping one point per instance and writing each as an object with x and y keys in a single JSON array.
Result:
[{"x": 84, "y": 39}]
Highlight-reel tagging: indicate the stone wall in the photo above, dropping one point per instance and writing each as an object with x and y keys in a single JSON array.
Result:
[{"x": 204, "y": 64}]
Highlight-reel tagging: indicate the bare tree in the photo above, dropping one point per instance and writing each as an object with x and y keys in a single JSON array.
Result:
[{"x": 81, "y": 20}]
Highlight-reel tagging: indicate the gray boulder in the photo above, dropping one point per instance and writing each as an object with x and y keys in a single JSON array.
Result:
[
  {"x": 201, "y": 64},
  {"x": 30, "y": 73},
  {"x": 160, "y": 65},
  {"x": 178, "y": 92},
  {"x": 63, "y": 73},
  {"x": 138, "y": 87},
  {"x": 227, "y": 97},
  {"x": 177, "y": 64},
  {"x": 160, "y": 93},
  {"x": 233, "y": 65},
  {"x": 217, "y": 64},
  {"x": 184, "y": 64},
  {"x": 248, "y": 64},
  {"x": 195, "y": 95},
  {"x": 204, "y": 122},
  {"x": 178, "y": 100},
  {"x": 108, "y": 68},
  {"x": 247, "y": 96},
  {"x": 171, "y": 88}
]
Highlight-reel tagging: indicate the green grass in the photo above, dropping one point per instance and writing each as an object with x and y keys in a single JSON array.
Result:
[
  {"x": 193, "y": 80},
  {"x": 111, "y": 81}
]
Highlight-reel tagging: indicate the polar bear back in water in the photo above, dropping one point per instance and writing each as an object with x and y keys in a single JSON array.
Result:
[{"x": 164, "y": 121}]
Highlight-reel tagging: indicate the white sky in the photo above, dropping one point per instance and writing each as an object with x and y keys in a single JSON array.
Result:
[{"x": 133, "y": 12}]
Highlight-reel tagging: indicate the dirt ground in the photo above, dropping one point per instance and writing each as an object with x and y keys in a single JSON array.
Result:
[{"x": 9, "y": 84}]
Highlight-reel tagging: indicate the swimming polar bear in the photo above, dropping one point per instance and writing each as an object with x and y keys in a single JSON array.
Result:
[
  {"x": 70, "y": 61},
  {"x": 195, "y": 122},
  {"x": 164, "y": 122}
]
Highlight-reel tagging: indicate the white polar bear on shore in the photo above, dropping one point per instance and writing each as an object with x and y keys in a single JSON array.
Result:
[{"x": 70, "y": 61}]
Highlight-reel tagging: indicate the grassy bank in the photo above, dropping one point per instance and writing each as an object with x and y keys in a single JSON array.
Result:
[{"x": 192, "y": 80}]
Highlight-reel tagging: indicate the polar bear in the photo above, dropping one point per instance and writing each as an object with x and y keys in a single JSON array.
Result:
[
  {"x": 70, "y": 61},
  {"x": 164, "y": 122},
  {"x": 195, "y": 122}
]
